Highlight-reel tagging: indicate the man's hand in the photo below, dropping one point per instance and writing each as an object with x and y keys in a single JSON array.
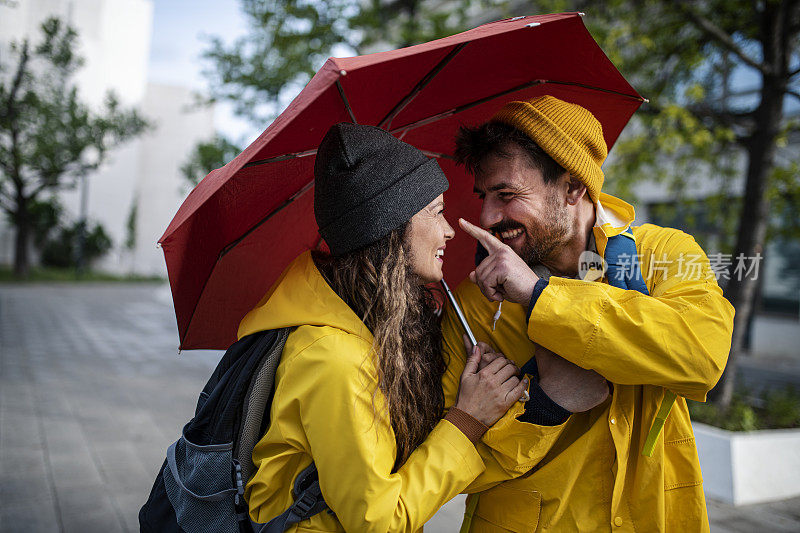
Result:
[
  {"x": 503, "y": 275},
  {"x": 570, "y": 386}
]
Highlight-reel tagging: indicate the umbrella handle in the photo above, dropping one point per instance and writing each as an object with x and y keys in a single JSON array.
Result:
[{"x": 459, "y": 314}]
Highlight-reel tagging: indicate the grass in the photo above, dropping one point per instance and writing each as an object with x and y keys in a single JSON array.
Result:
[
  {"x": 67, "y": 275},
  {"x": 773, "y": 409}
]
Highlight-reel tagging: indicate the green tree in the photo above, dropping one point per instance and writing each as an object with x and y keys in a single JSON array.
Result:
[
  {"x": 289, "y": 40},
  {"x": 48, "y": 137},
  {"x": 208, "y": 155},
  {"x": 690, "y": 58},
  {"x": 61, "y": 249},
  {"x": 719, "y": 75}
]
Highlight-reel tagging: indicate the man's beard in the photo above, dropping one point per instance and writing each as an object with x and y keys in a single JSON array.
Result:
[{"x": 544, "y": 241}]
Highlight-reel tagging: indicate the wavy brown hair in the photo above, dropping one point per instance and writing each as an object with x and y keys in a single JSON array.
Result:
[{"x": 379, "y": 286}]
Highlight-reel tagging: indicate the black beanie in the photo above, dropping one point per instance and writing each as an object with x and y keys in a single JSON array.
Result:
[{"x": 367, "y": 183}]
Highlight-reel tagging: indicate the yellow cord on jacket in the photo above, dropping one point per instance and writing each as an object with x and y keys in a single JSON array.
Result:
[{"x": 658, "y": 424}]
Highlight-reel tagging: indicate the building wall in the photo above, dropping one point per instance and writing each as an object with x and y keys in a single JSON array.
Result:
[
  {"x": 114, "y": 37},
  {"x": 161, "y": 187}
]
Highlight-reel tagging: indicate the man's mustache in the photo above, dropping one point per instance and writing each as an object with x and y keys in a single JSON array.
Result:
[{"x": 505, "y": 225}]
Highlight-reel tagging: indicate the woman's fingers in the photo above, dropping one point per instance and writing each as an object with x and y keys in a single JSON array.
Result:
[
  {"x": 495, "y": 366},
  {"x": 485, "y": 348},
  {"x": 473, "y": 362},
  {"x": 508, "y": 371},
  {"x": 517, "y": 391}
]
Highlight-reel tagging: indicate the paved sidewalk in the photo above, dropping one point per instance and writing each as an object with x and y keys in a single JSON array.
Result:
[{"x": 92, "y": 391}]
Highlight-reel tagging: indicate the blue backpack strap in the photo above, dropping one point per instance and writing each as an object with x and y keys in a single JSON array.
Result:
[
  {"x": 622, "y": 262},
  {"x": 308, "y": 502},
  {"x": 624, "y": 272}
]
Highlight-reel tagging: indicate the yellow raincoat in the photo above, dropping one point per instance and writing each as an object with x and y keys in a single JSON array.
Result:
[
  {"x": 324, "y": 409},
  {"x": 589, "y": 473}
]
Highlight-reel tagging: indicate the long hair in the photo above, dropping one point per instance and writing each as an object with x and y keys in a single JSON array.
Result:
[{"x": 379, "y": 286}]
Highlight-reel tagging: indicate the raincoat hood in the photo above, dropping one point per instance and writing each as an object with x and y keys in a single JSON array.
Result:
[{"x": 301, "y": 296}]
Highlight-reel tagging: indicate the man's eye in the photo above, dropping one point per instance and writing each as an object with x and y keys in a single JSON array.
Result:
[{"x": 505, "y": 195}]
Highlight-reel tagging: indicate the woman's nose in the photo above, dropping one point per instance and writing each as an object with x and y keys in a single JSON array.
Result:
[{"x": 449, "y": 232}]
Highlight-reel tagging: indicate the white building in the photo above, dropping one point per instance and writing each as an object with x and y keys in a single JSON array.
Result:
[{"x": 114, "y": 37}]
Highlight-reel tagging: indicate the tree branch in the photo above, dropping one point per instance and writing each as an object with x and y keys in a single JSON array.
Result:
[
  {"x": 7, "y": 208},
  {"x": 716, "y": 33},
  {"x": 793, "y": 93},
  {"x": 794, "y": 73},
  {"x": 6, "y": 200},
  {"x": 17, "y": 83},
  {"x": 44, "y": 183}
]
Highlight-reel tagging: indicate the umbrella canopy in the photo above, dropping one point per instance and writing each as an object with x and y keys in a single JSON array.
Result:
[{"x": 240, "y": 227}]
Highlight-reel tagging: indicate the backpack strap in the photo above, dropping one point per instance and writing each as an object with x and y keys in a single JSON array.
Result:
[
  {"x": 308, "y": 502},
  {"x": 256, "y": 405},
  {"x": 628, "y": 275}
]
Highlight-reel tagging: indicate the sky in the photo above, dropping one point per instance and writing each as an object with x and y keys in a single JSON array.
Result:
[{"x": 180, "y": 34}]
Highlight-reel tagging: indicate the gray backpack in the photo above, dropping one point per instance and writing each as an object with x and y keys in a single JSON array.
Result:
[{"x": 200, "y": 486}]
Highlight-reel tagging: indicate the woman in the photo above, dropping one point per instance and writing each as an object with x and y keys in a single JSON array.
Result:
[{"x": 358, "y": 390}]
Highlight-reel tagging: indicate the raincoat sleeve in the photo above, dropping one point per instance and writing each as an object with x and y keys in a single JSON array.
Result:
[
  {"x": 511, "y": 447},
  {"x": 678, "y": 337},
  {"x": 353, "y": 445}
]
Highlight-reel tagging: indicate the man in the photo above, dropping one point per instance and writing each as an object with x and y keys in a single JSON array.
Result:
[{"x": 587, "y": 452}]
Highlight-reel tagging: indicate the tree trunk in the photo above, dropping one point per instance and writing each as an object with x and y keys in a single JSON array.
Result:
[
  {"x": 22, "y": 222},
  {"x": 751, "y": 235}
]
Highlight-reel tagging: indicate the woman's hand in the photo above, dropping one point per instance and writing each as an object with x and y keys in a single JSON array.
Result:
[{"x": 487, "y": 391}]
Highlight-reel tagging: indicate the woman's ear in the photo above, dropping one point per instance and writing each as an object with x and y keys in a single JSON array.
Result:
[{"x": 575, "y": 190}]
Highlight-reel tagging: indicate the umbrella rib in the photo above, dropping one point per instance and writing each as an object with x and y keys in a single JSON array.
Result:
[
  {"x": 437, "y": 155},
  {"x": 425, "y": 121},
  {"x": 346, "y": 103},
  {"x": 610, "y": 91},
  {"x": 278, "y": 158},
  {"x": 269, "y": 215},
  {"x": 433, "y": 118},
  {"x": 421, "y": 84}
]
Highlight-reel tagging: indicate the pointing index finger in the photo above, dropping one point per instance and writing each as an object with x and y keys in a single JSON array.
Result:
[{"x": 489, "y": 241}]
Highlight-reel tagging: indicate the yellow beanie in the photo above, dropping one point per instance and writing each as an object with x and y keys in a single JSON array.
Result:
[{"x": 567, "y": 132}]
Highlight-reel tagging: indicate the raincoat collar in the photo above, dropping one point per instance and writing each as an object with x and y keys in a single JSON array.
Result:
[
  {"x": 612, "y": 217},
  {"x": 301, "y": 296}
]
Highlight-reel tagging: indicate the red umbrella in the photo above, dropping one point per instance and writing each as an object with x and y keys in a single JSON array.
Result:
[{"x": 241, "y": 226}]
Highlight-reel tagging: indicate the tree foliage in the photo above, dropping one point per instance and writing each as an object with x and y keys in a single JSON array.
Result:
[
  {"x": 206, "y": 156},
  {"x": 49, "y": 137},
  {"x": 289, "y": 40}
]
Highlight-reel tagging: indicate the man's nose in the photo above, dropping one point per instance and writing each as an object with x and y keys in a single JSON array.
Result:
[{"x": 490, "y": 214}]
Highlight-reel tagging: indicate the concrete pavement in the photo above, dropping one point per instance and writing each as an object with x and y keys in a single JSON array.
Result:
[{"x": 92, "y": 391}]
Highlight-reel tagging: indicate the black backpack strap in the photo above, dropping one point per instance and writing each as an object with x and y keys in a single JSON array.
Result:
[{"x": 308, "y": 502}]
